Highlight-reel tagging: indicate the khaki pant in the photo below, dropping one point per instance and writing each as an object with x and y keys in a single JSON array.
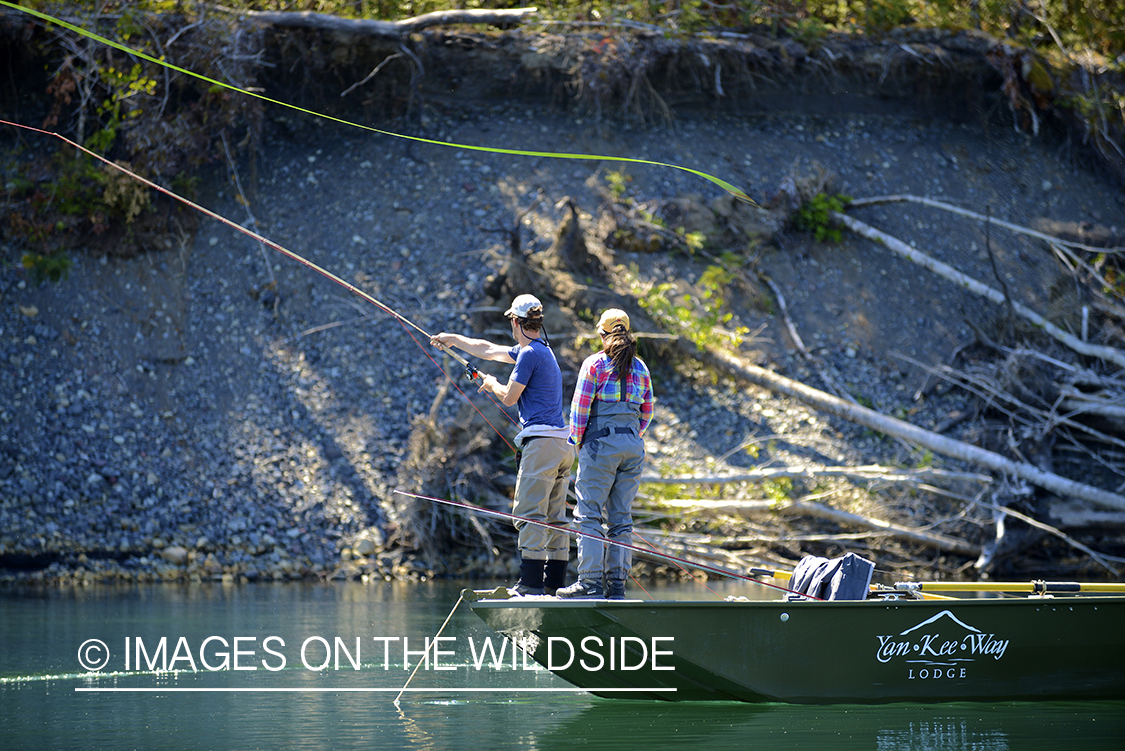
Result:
[{"x": 540, "y": 496}]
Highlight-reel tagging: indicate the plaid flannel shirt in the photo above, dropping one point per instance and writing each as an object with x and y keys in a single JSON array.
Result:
[{"x": 598, "y": 380}]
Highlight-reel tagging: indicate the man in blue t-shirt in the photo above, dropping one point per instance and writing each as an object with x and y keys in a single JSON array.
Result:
[{"x": 535, "y": 386}]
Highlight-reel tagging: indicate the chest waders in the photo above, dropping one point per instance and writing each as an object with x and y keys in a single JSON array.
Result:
[{"x": 609, "y": 465}]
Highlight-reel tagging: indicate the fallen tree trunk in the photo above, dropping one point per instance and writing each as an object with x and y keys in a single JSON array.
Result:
[
  {"x": 862, "y": 472},
  {"x": 861, "y": 202},
  {"x": 1109, "y": 354},
  {"x": 1078, "y": 402},
  {"x": 940, "y": 542},
  {"x": 388, "y": 29},
  {"x": 720, "y": 507},
  {"x": 1052, "y": 531},
  {"x": 808, "y": 508},
  {"x": 900, "y": 429},
  {"x": 1067, "y": 514},
  {"x": 820, "y": 511}
]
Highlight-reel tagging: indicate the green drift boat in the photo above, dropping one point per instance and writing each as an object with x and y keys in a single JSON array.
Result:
[{"x": 892, "y": 646}]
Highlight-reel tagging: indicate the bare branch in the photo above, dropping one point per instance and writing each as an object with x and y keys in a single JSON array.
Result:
[
  {"x": 861, "y": 202},
  {"x": 1109, "y": 354},
  {"x": 389, "y": 29},
  {"x": 901, "y": 429}
]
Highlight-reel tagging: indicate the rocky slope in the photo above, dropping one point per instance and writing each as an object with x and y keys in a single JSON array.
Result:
[{"x": 212, "y": 409}]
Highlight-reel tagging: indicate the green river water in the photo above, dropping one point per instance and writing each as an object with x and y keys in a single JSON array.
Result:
[{"x": 319, "y": 666}]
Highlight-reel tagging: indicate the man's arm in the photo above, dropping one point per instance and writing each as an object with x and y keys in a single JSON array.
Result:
[
  {"x": 508, "y": 393},
  {"x": 481, "y": 348}
]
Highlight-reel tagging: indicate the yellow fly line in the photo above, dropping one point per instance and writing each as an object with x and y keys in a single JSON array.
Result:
[{"x": 736, "y": 192}]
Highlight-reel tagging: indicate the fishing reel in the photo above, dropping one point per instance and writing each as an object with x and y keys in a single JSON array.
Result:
[{"x": 471, "y": 373}]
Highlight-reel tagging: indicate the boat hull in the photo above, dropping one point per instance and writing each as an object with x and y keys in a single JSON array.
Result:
[{"x": 825, "y": 652}]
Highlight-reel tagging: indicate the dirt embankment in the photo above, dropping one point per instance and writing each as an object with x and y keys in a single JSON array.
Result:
[{"x": 207, "y": 410}]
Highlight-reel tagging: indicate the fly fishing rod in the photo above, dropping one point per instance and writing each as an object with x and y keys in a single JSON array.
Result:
[
  {"x": 751, "y": 576},
  {"x": 471, "y": 372},
  {"x": 234, "y": 225}
]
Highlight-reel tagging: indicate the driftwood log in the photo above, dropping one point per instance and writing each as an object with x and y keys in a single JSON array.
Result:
[
  {"x": 1109, "y": 354},
  {"x": 1106, "y": 238},
  {"x": 870, "y": 472},
  {"x": 820, "y": 511},
  {"x": 1077, "y": 402},
  {"x": 929, "y": 539},
  {"x": 901, "y": 429},
  {"x": 388, "y": 29}
]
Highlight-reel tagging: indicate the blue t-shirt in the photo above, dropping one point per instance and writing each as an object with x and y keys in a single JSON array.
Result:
[{"x": 538, "y": 371}]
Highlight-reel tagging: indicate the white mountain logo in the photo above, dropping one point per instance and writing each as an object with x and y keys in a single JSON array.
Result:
[{"x": 943, "y": 640}]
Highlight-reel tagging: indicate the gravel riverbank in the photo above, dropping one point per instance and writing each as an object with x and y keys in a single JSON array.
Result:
[{"x": 213, "y": 410}]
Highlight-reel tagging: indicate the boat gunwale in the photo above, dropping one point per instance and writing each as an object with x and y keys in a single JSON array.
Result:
[{"x": 871, "y": 602}]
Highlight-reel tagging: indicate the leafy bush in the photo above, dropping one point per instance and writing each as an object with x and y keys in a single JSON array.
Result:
[
  {"x": 815, "y": 216},
  {"x": 48, "y": 267},
  {"x": 699, "y": 319},
  {"x": 160, "y": 124}
]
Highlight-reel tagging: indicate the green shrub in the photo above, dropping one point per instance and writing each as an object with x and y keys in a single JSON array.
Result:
[
  {"x": 815, "y": 216},
  {"x": 46, "y": 267},
  {"x": 697, "y": 319}
]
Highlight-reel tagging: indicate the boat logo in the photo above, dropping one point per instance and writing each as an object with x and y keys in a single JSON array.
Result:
[{"x": 942, "y": 646}]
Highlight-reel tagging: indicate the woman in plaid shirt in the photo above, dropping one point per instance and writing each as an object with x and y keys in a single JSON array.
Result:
[{"x": 611, "y": 409}]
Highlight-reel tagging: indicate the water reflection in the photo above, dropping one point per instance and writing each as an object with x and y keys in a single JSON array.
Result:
[{"x": 905, "y": 727}]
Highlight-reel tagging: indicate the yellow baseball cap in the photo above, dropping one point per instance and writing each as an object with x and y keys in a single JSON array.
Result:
[{"x": 611, "y": 319}]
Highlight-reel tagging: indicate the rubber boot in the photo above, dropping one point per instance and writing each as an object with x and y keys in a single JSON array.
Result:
[
  {"x": 554, "y": 575},
  {"x": 531, "y": 578},
  {"x": 583, "y": 589}
]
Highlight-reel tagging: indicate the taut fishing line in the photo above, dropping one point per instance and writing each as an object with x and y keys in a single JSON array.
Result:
[
  {"x": 736, "y": 192},
  {"x": 406, "y": 323},
  {"x": 639, "y": 550},
  {"x": 470, "y": 372}
]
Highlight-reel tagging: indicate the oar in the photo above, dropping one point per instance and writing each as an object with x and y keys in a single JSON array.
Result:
[{"x": 1037, "y": 587}]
